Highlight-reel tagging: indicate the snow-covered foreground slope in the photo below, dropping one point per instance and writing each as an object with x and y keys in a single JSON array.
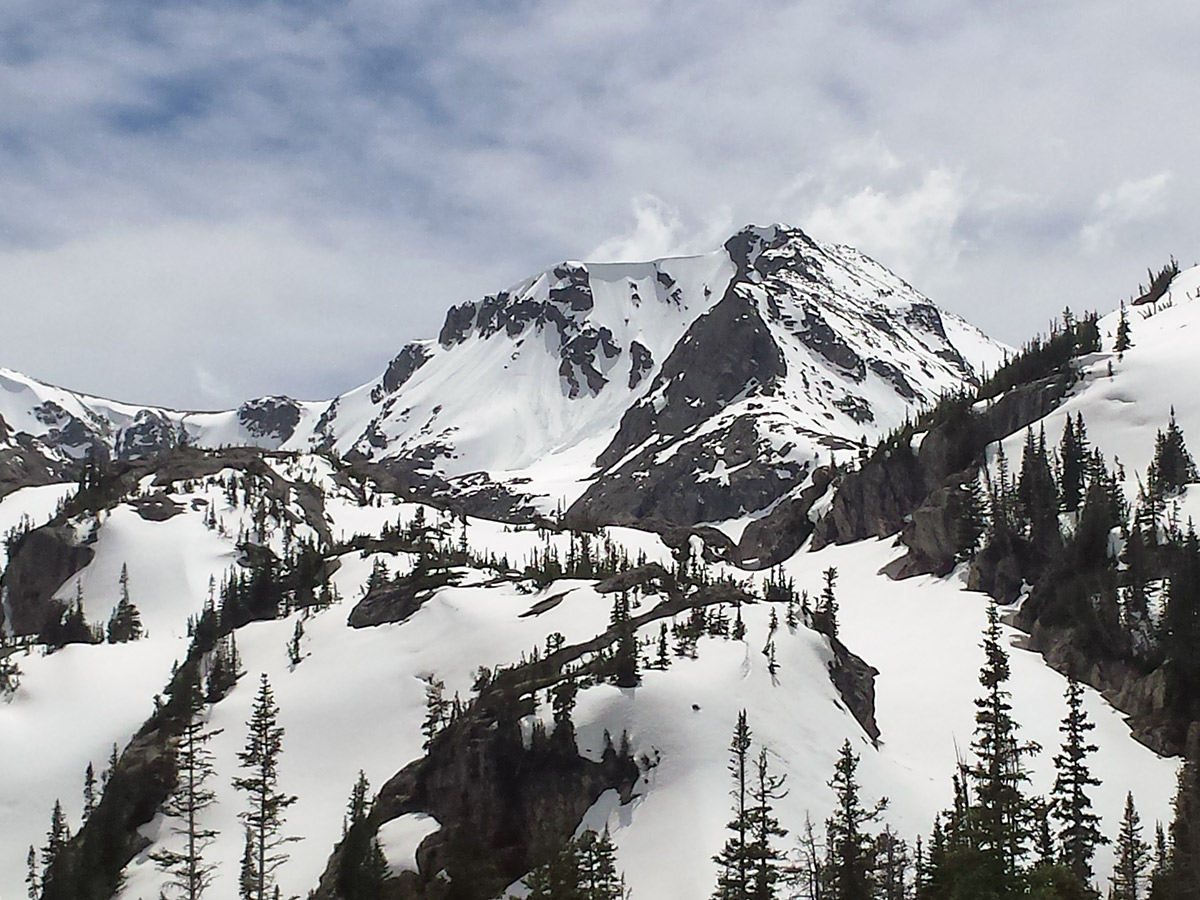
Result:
[{"x": 356, "y": 700}]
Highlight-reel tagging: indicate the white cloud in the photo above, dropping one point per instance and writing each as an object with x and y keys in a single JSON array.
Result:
[
  {"x": 659, "y": 231},
  {"x": 1130, "y": 203}
]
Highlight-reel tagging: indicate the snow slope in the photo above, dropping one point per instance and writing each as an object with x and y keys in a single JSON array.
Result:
[{"x": 356, "y": 700}]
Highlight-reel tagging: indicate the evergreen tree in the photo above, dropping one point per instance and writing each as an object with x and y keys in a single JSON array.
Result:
[
  {"x": 562, "y": 704},
  {"x": 248, "y": 871},
  {"x": 33, "y": 880},
  {"x": 662, "y": 659},
  {"x": 436, "y": 709},
  {"x": 1183, "y": 868},
  {"x": 827, "y": 607},
  {"x": 558, "y": 878},
  {"x": 999, "y": 773},
  {"x": 359, "y": 804},
  {"x": 891, "y": 866},
  {"x": 850, "y": 847},
  {"x": 596, "y": 861},
  {"x": 1038, "y": 495},
  {"x": 56, "y": 839},
  {"x": 626, "y": 662},
  {"x": 188, "y": 873},
  {"x": 739, "y": 627},
  {"x": 1173, "y": 467},
  {"x": 295, "y": 655},
  {"x": 971, "y": 522},
  {"x": 1073, "y": 452},
  {"x": 1133, "y": 856},
  {"x": 735, "y": 859},
  {"x": 1123, "y": 342},
  {"x": 1080, "y": 827},
  {"x": 125, "y": 622},
  {"x": 264, "y": 818},
  {"x": 89, "y": 792},
  {"x": 765, "y": 865}
]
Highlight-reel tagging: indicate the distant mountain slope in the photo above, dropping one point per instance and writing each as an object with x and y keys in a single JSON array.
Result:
[{"x": 740, "y": 370}]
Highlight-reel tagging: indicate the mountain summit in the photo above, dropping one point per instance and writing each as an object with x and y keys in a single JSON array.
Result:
[{"x": 595, "y": 386}]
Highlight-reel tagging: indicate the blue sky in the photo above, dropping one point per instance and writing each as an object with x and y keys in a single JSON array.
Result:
[{"x": 205, "y": 201}]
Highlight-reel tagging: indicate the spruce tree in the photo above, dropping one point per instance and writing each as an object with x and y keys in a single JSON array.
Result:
[
  {"x": 1079, "y": 833},
  {"x": 999, "y": 773},
  {"x": 1173, "y": 467},
  {"x": 1123, "y": 342},
  {"x": 33, "y": 879},
  {"x": 734, "y": 860},
  {"x": 1038, "y": 495},
  {"x": 1183, "y": 868},
  {"x": 89, "y": 792},
  {"x": 850, "y": 847},
  {"x": 56, "y": 839},
  {"x": 827, "y": 607},
  {"x": 766, "y": 861},
  {"x": 125, "y": 622},
  {"x": 189, "y": 874},
  {"x": 597, "y": 867},
  {"x": 264, "y": 818},
  {"x": 1072, "y": 450},
  {"x": 1133, "y": 856}
]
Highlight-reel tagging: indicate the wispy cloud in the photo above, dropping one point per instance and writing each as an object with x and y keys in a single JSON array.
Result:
[{"x": 283, "y": 193}]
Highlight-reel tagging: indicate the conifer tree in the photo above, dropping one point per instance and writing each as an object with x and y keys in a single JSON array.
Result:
[
  {"x": 89, "y": 791},
  {"x": 264, "y": 818},
  {"x": 1133, "y": 856},
  {"x": 766, "y": 861},
  {"x": 1079, "y": 833},
  {"x": 1173, "y": 467},
  {"x": 33, "y": 880},
  {"x": 734, "y": 860},
  {"x": 1038, "y": 495},
  {"x": 295, "y": 655},
  {"x": 562, "y": 704},
  {"x": 436, "y": 709},
  {"x": 1182, "y": 880},
  {"x": 56, "y": 839},
  {"x": 597, "y": 866},
  {"x": 125, "y": 622},
  {"x": 999, "y": 773},
  {"x": 739, "y": 627},
  {"x": 626, "y": 662},
  {"x": 1073, "y": 451},
  {"x": 850, "y": 847},
  {"x": 1123, "y": 342},
  {"x": 971, "y": 522},
  {"x": 827, "y": 606},
  {"x": 188, "y": 872}
]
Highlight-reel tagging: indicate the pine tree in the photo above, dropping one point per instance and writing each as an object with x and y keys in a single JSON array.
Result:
[
  {"x": 56, "y": 839},
  {"x": 739, "y": 627},
  {"x": 626, "y": 662},
  {"x": 1173, "y": 467},
  {"x": 1123, "y": 342},
  {"x": 891, "y": 866},
  {"x": 125, "y": 622},
  {"x": 562, "y": 704},
  {"x": 827, "y": 606},
  {"x": 849, "y": 845},
  {"x": 188, "y": 873},
  {"x": 1079, "y": 833},
  {"x": 1072, "y": 450},
  {"x": 264, "y": 818},
  {"x": 33, "y": 880},
  {"x": 1183, "y": 868},
  {"x": 359, "y": 804},
  {"x": 998, "y": 774},
  {"x": 436, "y": 709},
  {"x": 1133, "y": 856},
  {"x": 765, "y": 868},
  {"x": 597, "y": 867},
  {"x": 662, "y": 659},
  {"x": 735, "y": 859},
  {"x": 295, "y": 655},
  {"x": 248, "y": 872},
  {"x": 89, "y": 792},
  {"x": 1038, "y": 495},
  {"x": 971, "y": 522}
]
